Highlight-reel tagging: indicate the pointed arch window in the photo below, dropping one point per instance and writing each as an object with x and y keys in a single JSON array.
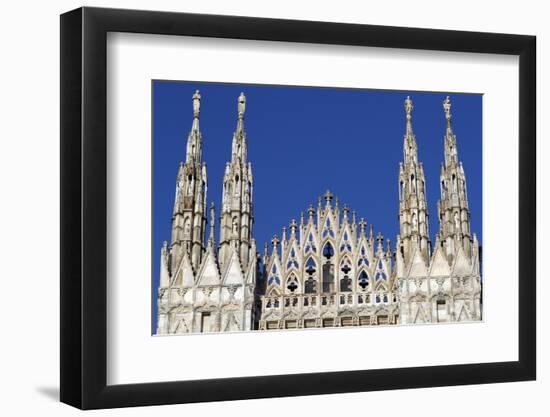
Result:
[
  {"x": 328, "y": 268},
  {"x": 345, "y": 281},
  {"x": 310, "y": 284},
  {"x": 292, "y": 283},
  {"x": 345, "y": 284},
  {"x": 363, "y": 280}
]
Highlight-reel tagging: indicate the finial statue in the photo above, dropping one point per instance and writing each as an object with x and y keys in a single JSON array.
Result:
[
  {"x": 408, "y": 106},
  {"x": 380, "y": 240},
  {"x": 293, "y": 226},
  {"x": 196, "y": 103},
  {"x": 241, "y": 105},
  {"x": 362, "y": 225},
  {"x": 328, "y": 196},
  {"x": 447, "y": 107},
  {"x": 212, "y": 212},
  {"x": 274, "y": 241},
  {"x": 212, "y": 217}
]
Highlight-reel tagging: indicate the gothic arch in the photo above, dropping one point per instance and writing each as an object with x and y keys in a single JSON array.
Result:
[
  {"x": 292, "y": 284},
  {"x": 311, "y": 274},
  {"x": 346, "y": 282},
  {"x": 328, "y": 275},
  {"x": 363, "y": 279}
]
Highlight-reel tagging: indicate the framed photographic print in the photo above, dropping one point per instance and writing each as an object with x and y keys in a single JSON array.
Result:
[{"x": 258, "y": 208}]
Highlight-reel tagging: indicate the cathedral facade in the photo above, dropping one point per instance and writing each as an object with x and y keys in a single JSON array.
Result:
[{"x": 328, "y": 269}]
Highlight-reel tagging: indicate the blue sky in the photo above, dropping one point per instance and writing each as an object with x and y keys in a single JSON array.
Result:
[{"x": 305, "y": 140}]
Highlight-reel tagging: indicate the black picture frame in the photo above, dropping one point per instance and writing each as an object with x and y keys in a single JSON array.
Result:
[{"x": 84, "y": 207}]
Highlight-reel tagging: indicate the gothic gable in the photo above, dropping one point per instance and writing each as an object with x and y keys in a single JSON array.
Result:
[
  {"x": 208, "y": 273},
  {"x": 461, "y": 266},
  {"x": 439, "y": 265},
  {"x": 233, "y": 274},
  {"x": 185, "y": 276},
  {"x": 417, "y": 266}
]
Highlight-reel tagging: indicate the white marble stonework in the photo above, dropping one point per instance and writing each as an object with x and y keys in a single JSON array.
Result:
[{"x": 326, "y": 270}]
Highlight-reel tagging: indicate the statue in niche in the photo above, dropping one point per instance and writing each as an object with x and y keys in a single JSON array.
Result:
[
  {"x": 457, "y": 221},
  {"x": 414, "y": 221},
  {"x": 187, "y": 227}
]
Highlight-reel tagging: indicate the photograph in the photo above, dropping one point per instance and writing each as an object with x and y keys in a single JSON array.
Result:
[{"x": 282, "y": 207}]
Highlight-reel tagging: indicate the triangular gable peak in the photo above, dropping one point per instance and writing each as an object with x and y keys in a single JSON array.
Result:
[
  {"x": 417, "y": 266},
  {"x": 233, "y": 274},
  {"x": 381, "y": 286},
  {"x": 364, "y": 256},
  {"x": 185, "y": 276},
  {"x": 311, "y": 242},
  {"x": 208, "y": 272},
  {"x": 461, "y": 265},
  {"x": 275, "y": 272},
  {"x": 439, "y": 266},
  {"x": 346, "y": 240},
  {"x": 330, "y": 226},
  {"x": 292, "y": 256},
  {"x": 274, "y": 290},
  {"x": 382, "y": 270}
]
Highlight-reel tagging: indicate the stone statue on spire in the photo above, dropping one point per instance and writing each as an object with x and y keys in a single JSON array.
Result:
[
  {"x": 241, "y": 105},
  {"x": 196, "y": 104},
  {"x": 447, "y": 107},
  {"x": 408, "y": 106}
]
